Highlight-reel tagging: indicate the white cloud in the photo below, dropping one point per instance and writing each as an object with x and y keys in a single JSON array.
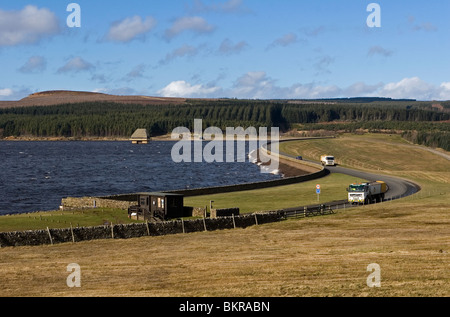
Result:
[
  {"x": 136, "y": 72},
  {"x": 285, "y": 40},
  {"x": 258, "y": 85},
  {"x": 362, "y": 89},
  {"x": 194, "y": 24},
  {"x": 323, "y": 63},
  {"x": 122, "y": 91},
  {"x": 185, "y": 50},
  {"x": 76, "y": 64},
  {"x": 409, "y": 88},
  {"x": 35, "y": 64},
  {"x": 14, "y": 94},
  {"x": 6, "y": 92},
  {"x": 230, "y": 6},
  {"x": 424, "y": 26},
  {"x": 378, "y": 50},
  {"x": 100, "y": 78},
  {"x": 312, "y": 91},
  {"x": 313, "y": 32},
  {"x": 444, "y": 91},
  {"x": 228, "y": 48},
  {"x": 427, "y": 27},
  {"x": 27, "y": 26},
  {"x": 130, "y": 28},
  {"x": 186, "y": 90}
]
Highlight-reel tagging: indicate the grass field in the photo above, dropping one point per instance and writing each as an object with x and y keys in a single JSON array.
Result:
[
  {"x": 333, "y": 187},
  {"x": 63, "y": 219},
  {"x": 322, "y": 256}
]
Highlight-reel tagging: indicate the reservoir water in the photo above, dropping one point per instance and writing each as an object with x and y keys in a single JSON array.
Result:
[{"x": 35, "y": 176}]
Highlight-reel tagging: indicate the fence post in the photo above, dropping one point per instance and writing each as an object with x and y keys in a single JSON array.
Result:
[
  {"x": 204, "y": 223},
  {"x": 305, "y": 209},
  {"x": 148, "y": 229},
  {"x": 50, "y": 236},
  {"x": 71, "y": 231},
  {"x": 234, "y": 223},
  {"x": 182, "y": 225},
  {"x": 112, "y": 230},
  {"x": 256, "y": 219}
]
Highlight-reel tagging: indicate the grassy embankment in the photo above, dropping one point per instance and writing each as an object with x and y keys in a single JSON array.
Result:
[
  {"x": 63, "y": 219},
  {"x": 322, "y": 256},
  {"x": 333, "y": 188}
]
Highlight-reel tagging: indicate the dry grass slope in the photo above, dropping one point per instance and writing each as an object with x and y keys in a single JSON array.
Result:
[
  {"x": 323, "y": 256},
  {"x": 49, "y": 98}
]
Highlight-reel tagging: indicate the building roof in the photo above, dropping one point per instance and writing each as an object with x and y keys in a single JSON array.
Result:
[
  {"x": 159, "y": 194},
  {"x": 140, "y": 134}
]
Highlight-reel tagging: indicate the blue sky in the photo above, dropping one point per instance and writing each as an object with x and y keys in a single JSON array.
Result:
[{"x": 227, "y": 48}]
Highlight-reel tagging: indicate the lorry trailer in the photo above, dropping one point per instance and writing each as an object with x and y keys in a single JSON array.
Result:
[{"x": 367, "y": 193}]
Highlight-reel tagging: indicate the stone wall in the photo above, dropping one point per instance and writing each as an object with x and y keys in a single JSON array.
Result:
[
  {"x": 71, "y": 203},
  {"x": 227, "y": 212},
  {"x": 56, "y": 236},
  {"x": 199, "y": 212}
]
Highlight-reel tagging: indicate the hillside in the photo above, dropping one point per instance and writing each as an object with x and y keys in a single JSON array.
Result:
[
  {"x": 57, "y": 97},
  {"x": 313, "y": 257}
]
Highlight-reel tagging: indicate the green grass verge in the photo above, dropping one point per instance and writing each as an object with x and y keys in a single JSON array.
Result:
[
  {"x": 275, "y": 198},
  {"x": 333, "y": 187},
  {"x": 63, "y": 219}
]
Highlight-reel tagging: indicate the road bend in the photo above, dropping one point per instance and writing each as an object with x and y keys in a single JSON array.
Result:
[{"x": 398, "y": 187}]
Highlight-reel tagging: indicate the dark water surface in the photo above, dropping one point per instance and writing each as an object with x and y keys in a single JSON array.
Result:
[{"x": 35, "y": 176}]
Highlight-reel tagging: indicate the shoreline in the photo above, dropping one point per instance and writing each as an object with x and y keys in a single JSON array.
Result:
[
  {"x": 74, "y": 139},
  {"x": 166, "y": 137},
  {"x": 286, "y": 169}
]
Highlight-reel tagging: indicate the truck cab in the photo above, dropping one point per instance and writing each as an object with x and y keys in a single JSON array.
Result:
[
  {"x": 366, "y": 193},
  {"x": 327, "y": 160},
  {"x": 357, "y": 193}
]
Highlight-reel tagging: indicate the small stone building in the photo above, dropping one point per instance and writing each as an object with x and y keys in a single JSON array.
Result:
[
  {"x": 140, "y": 136},
  {"x": 157, "y": 205}
]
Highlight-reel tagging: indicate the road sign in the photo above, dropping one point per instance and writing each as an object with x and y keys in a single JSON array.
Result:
[
  {"x": 318, "y": 191},
  {"x": 318, "y": 186}
]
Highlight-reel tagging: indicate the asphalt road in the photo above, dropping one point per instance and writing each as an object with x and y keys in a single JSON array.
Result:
[{"x": 398, "y": 187}]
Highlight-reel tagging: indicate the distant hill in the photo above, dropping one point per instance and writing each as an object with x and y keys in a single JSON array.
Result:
[
  {"x": 369, "y": 99},
  {"x": 361, "y": 100},
  {"x": 56, "y": 97}
]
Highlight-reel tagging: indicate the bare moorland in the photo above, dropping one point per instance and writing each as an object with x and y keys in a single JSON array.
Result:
[{"x": 323, "y": 256}]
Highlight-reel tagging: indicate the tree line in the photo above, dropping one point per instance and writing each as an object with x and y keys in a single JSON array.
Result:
[
  {"x": 107, "y": 119},
  {"x": 432, "y": 134}
]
